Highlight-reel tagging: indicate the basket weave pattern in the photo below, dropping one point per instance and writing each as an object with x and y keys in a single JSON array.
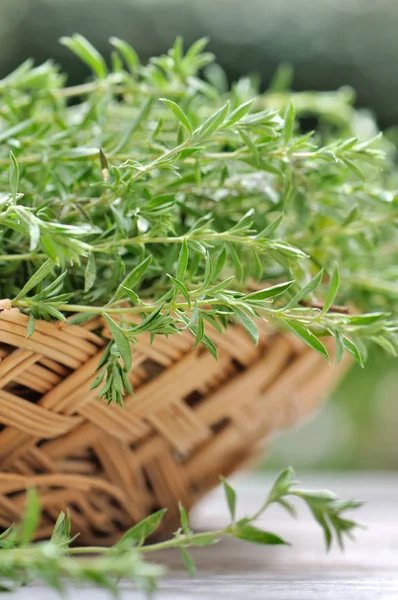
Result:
[{"x": 192, "y": 418}]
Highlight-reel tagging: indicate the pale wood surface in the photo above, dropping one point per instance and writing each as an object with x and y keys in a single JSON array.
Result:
[{"x": 368, "y": 570}]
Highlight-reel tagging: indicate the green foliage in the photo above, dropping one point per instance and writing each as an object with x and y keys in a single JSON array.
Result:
[
  {"x": 230, "y": 496},
  {"x": 57, "y": 561},
  {"x": 151, "y": 192}
]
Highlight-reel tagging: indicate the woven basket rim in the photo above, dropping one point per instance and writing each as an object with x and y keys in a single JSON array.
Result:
[{"x": 191, "y": 419}]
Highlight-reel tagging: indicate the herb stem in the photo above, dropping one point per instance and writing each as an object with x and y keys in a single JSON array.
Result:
[
  {"x": 26, "y": 256},
  {"x": 184, "y": 540},
  {"x": 83, "y": 550},
  {"x": 142, "y": 308},
  {"x": 37, "y": 159},
  {"x": 104, "y": 85},
  {"x": 204, "y": 237}
]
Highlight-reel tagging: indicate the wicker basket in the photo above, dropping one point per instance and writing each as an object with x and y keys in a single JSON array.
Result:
[{"x": 192, "y": 418}]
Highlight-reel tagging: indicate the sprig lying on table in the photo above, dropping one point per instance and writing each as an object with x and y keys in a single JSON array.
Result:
[{"x": 57, "y": 561}]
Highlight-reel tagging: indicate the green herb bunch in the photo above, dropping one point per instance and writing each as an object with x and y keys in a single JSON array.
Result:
[
  {"x": 57, "y": 562},
  {"x": 154, "y": 191}
]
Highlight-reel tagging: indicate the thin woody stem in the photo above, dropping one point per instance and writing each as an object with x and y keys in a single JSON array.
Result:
[{"x": 343, "y": 310}]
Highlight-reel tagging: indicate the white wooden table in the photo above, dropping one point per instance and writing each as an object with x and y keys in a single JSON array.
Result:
[{"x": 233, "y": 570}]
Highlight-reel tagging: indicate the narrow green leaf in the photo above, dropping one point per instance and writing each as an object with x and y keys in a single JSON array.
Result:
[
  {"x": 80, "y": 318},
  {"x": 213, "y": 321},
  {"x": 105, "y": 356},
  {"x": 333, "y": 289},
  {"x": 210, "y": 345},
  {"x": 252, "y": 534},
  {"x": 121, "y": 342},
  {"x": 138, "y": 534},
  {"x": 247, "y": 323},
  {"x": 42, "y": 272},
  {"x": 353, "y": 167},
  {"x": 179, "y": 285},
  {"x": 103, "y": 160},
  {"x": 14, "y": 176},
  {"x": 142, "y": 115},
  {"x": 31, "y": 517},
  {"x": 7, "y": 533},
  {"x": 287, "y": 250},
  {"x": 98, "y": 380},
  {"x": 132, "y": 296},
  {"x": 34, "y": 234},
  {"x": 153, "y": 316},
  {"x": 208, "y": 276},
  {"x": 230, "y": 495},
  {"x": 78, "y": 152},
  {"x": 16, "y": 130},
  {"x": 177, "y": 50},
  {"x": 212, "y": 123},
  {"x": 352, "y": 215},
  {"x": 238, "y": 113},
  {"x": 245, "y": 222},
  {"x": 128, "y": 53},
  {"x": 240, "y": 274},
  {"x": 269, "y": 292},
  {"x": 272, "y": 227},
  {"x": 116, "y": 62},
  {"x": 132, "y": 279},
  {"x": 265, "y": 165},
  {"x": 282, "y": 79},
  {"x": 307, "y": 336},
  {"x": 288, "y": 507},
  {"x": 385, "y": 343},
  {"x": 282, "y": 485},
  {"x": 188, "y": 561},
  {"x": 90, "y": 273},
  {"x": 108, "y": 390},
  {"x": 160, "y": 203},
  {"x": 61, "y": 532},
  {"x": 194, "y": 316},
  {"x": 319, "y": 516},
  {"x": 362, "y": 347},
  {"x": 126, "y": 383},
  {"x": 321, "y": 496},
  {"x": 59, "y": 527},
  {"x": 53, "y": 288},
  {"x": 184, "y": 519},
  {"x": 289, "y": 123},
  {"x": 180, "y": 135},
  {"x": 199, "y": 331},
  {"x": 368, "y": 319},
  {"x": 31, "y": 326},
  {"x": 219, "y": 263},
  {"x": 182, "y": 261},
  {"x": 250, "y": 145},
  {"x": 305, "y": 291},
  {"x": 221, "y": 285},
  {"x": 178, "y": 113},
  {"x": 197, "y": 48},
  {"x": 87, "y": 53},
  {"x": 117, "y": 388},
  {"x": 204, "y": 540},
  {"x": 339, "y": 343},
  {"x": 257, "y": 266},
  {"x": 353, "y": 350}
]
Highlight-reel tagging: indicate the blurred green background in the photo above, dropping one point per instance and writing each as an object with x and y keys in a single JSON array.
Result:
[
  {"x": 355, "y": 429},
  {"x": 329, "y": 43}
]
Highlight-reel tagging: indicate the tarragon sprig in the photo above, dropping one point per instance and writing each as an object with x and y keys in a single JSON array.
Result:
[{"x": 59, "y": 561}]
